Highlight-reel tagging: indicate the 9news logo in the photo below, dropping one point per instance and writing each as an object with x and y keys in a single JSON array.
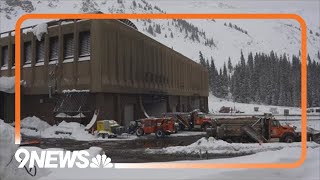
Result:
[{"x": 61, "y": 159}]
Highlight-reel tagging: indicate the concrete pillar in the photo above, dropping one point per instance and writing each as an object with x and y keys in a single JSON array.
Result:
[{"x": 118, "y": 108}]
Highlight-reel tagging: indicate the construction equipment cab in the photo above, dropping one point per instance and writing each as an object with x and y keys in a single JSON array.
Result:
[
  {"x": 109, "y": 128},
  {"x": 159, "y": 126}
]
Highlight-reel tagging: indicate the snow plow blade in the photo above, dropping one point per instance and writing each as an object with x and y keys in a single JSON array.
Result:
[{"x": 253, "y": 134}]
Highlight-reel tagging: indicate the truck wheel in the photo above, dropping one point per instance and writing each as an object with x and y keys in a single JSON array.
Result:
[
  {"x": 139, "y": 132},
  {"x": 289, "y": 139},
  {"x": 103, "y": 135},
  {"x": 159, "y": 134}
]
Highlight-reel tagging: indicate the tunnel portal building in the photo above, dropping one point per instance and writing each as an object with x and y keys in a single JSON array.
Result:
[{"x": 79, "y": 66}]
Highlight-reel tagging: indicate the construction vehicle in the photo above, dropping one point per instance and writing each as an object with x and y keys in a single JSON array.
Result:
[
  {"x": 252, "y": 129},
  {"x": 190, "y": 120},
  {"x": 109, "y": 128},
  {"x": 159, "y": 126}
]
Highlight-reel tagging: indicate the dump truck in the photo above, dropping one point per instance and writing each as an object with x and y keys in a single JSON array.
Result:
[
  {"x": 259, "y": 129},
  {"x": 190, "y": 120},
  {"x": 159, "y": 126}
]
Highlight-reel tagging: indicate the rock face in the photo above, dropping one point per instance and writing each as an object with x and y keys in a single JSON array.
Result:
[
  {"x": 88, "y": 6},
  {"x": 25, "y": 5},
  {"x": 216, "y": 38}
]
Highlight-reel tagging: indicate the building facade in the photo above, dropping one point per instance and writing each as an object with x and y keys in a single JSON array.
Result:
[{"x": 79, "y": 66}]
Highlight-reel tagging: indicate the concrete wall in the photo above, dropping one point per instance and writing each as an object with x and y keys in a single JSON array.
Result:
[
  {"x": 124, "y": 65},
  {"x": 122, "y": 60}
]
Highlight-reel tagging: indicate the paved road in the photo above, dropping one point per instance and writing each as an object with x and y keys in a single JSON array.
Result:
[{"x": 132, "y": 151}]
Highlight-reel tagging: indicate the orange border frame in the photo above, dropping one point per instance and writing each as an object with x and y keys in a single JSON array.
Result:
[{"x": 180, "y": 16}]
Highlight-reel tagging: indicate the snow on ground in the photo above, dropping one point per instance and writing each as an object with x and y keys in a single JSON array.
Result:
[
  {"x": 7, "y": 150},
  {"x": 187, "y": 133},
  {"x": 34, "y": 123},
  {"x": 216, "y": 103},
  {"x": 33, "y": 126},
  {"x": 214, "y": 146},
  {"x": 287, "y": 153},
  {"x": 7, "y": 84},
  {"x": 308, "y": 171},
  {"x": 313, "y": 121}
]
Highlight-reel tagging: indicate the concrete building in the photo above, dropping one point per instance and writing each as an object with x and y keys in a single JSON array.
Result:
[{"x": 79, "y": 66}]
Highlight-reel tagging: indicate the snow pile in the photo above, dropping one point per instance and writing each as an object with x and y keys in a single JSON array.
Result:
[
  {"x": 75, "y": 90},
  {"x": 64, "y": 128},
  {"x": 64, "y": 115},
  {"x": 7, "y": 84},
  {"x": 76, "y": 131},
  {"x": 33, "y": 126},
  {"x": 7, "y": 145},
  {"x": 34, "y": 122},
  {"x": 39, "y": 30},
  {"x": 7, "y": 150},
  {"x": 220, "y": 147}
]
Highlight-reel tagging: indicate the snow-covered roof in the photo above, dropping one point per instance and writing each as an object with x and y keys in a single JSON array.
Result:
[{"x": 39, "y": 30}]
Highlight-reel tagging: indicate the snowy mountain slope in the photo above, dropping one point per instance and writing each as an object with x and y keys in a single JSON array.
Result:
[{"x": 282, "y": 36}]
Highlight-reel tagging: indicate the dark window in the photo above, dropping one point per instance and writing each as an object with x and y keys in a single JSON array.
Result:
[
  {"x": 27, "y": 52},
  {"x": 40, "y": 51},
  {"x": 318, "y": 110},
  {"x": 54, "y": 48},
  {"x": 13, "y": 55},
  {"x": 5, "y": 56},
  {"x": 84, "y": 44},
  {"x": 68, "y": 46}
]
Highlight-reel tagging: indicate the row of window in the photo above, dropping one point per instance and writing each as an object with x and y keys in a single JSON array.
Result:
[{"x": 68, "y": 49}]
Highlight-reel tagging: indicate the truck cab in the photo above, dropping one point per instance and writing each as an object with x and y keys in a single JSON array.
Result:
[
  {"x": 200, "y": 120},
  {"x": 284, "y": 133}
]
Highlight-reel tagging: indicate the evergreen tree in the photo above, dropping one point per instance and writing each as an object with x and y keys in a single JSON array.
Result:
[
  {"x": 202, "y": 60},
  {"x": 150, "y": 30},
  {"x": 214, "y": 78},
  {"x": 230, "y": 67}
]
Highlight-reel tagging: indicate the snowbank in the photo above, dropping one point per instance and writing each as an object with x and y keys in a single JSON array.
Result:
[
  {"x": 7, "y": 150},
  {"x": 34, "y": 122},
  {"x": 33, "y": 126},
  {"x": 76, "y": 129},
  {"x": 309, "y": 170},
  {"x": 214, "y": 146},
  {"x": 39, "y": 30},
  {"x": 75, "y": 90},
  {"x": 64, "y": 115},
  {"x": 7, "y": 84}
]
